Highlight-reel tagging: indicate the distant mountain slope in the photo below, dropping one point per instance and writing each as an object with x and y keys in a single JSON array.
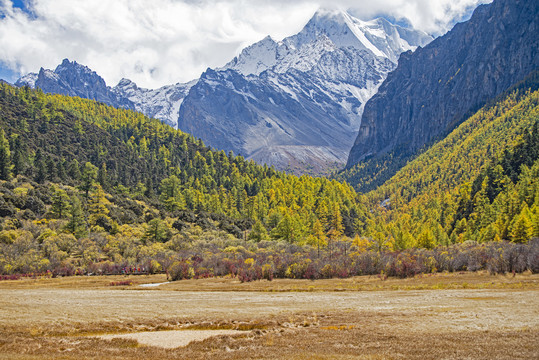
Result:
[
  {"x": 162, "y": 103},
  {"x": 295, "y": 104},
  {"x": 434, "y": 88}
]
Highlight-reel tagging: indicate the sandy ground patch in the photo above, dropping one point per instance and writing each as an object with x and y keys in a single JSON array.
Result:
[{"x": 173, "y": 338}]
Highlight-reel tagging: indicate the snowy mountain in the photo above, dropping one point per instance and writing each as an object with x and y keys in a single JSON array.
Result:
[
  {"x": 27, "y": 80},
  {"x": 295, "y": 103}
]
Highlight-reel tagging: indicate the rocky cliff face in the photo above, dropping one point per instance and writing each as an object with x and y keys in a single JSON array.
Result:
[
  {"x": 294, "y": 120},
  {"x": 434, "y": 88},
  {"x": 73, "y": 79}
]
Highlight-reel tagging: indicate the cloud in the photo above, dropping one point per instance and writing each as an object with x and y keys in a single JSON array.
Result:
[{"x": 160, "y": 42}]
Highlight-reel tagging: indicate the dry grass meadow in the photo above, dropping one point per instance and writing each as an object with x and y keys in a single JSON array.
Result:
[{"x": 439, "y": 316}]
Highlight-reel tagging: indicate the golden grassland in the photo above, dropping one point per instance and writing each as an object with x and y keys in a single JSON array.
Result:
[{"x": 453, "y": 316}]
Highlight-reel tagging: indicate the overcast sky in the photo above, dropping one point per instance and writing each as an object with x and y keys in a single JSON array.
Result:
[{"x": 159, "y": 42}]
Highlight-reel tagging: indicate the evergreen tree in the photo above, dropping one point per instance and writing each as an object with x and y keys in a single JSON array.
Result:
[
  {"x": 50, "y": 168},
  {"x": 156, "y": 231},
  {"x": 97, "y": 206},
  {"x": 522, "y": 227},
  {"x": 60, "y": 203},
  {"x": 319, "y": 235},
  {"x": 149, "y": 193},
  {"x": 19, "y": 156},
  {"x": 170, "y": 193},
  {"x": 89, "y": 175},
  {"x": 5, "y": 157},
  {"x": 426, "y": 238},
  {"x": 61, "y": 170},
  {"x": 73, "y": 170},
  {"x": 285, "y": 229},
  {"x": 259, "y": 232},
  {"x": 77, "y": 223},
  {"x": 41, "y": 172},
  {"x": 336, "y": 228},
  {"x": 102, "y": 176},
  {"x": 535, "y": 220},
  {"x": 289, "y": 228}
]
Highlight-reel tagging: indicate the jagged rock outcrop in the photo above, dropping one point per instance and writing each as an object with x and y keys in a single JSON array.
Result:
[
  {"x": 73, "y": 79},
  {"x": 435, "y": 88}
]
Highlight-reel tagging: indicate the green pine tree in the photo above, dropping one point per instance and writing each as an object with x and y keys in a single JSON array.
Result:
[
  {"x": 259, "y": 232},
  {"x": 156, "y": 231},
  {"x": 103, "y": 177},
  {"x": 89, "y": 175},
  {"x": 73, "y": 170},
  {"x": 5, "y": 157},
  {"x": 522, "y": 227},
  {"x": 60, "y": 203},
  {"x": 77, "y": 222}
]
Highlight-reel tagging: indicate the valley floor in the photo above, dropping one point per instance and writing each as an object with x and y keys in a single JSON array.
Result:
[{"x": 450, "y": 316}]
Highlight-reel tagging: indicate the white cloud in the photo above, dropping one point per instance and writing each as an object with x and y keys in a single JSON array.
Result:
[{"x": 158, "y": 42}]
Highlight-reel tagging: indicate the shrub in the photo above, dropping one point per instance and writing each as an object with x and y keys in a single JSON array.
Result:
[
  {"x": 6, "y": 209},
  {"x": 155, "y": 267},
  {"x": 179, "y": 225},
  {"x": 181, "y": 270},
  {"x": 267, "y": 272},
  {"x": 35, "y": 204}
]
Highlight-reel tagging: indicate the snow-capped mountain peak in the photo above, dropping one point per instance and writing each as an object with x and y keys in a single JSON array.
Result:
[
  {"x": 256, "y": 58},
  {"x": 163, "y": 103},
  {"x": 72, "y": 66},
  {"x": 27, "y": 80},
  {"x": 326, "y": 31},
  {"x": 340, "y": 27},
  {"x": 378, "y": 36}
]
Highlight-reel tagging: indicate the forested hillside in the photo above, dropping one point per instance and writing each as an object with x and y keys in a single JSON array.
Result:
[
  {"x": 481, "y": 183},
  {"x": 79, "y": 167},
  {"x": 86, "y": 188}
]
